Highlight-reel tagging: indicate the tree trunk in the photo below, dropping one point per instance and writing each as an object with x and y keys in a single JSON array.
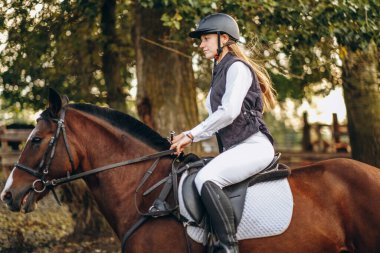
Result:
[
  {"x": 76, "y": 195},
  {"x": 362, "y": 97},
  {"x": 111, "y": 58},
  {"x": 166, "y": 98}
]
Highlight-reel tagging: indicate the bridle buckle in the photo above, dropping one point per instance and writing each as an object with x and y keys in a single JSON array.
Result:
[{"x": 35, "y": 188}]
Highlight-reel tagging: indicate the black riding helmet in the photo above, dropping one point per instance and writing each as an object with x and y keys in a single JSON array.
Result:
[{"x": 217, "y": 23}]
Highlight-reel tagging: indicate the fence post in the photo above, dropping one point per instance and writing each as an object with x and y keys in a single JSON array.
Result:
[
  {"x": 10, "y": 140},
  {"x": 306, "y": 139},
  {"x": 336, "y": 133}
]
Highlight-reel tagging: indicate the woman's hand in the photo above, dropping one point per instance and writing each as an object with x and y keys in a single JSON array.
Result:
[{"x": 180, "y": 142}]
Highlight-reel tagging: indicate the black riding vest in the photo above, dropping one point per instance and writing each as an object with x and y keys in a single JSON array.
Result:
[{"x": 250, "y": 119}]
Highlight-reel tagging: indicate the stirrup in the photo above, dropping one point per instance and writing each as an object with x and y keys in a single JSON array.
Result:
[
  {"x": 159, "y": 208},
  {"x": 220, "y": 247}
]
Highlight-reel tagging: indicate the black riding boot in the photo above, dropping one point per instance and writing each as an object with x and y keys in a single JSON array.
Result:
[{"x": 221, "y": 215}]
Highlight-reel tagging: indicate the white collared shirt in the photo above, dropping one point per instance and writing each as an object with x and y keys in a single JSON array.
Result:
[{"x": 238, "y": 82}]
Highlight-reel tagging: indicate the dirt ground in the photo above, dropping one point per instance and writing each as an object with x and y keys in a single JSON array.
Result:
[
  {"x": 84, "y": 244},
  {"x": 48, "y": 229}
]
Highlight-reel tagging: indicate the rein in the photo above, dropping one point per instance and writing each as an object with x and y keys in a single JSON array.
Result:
[
  {"x": 55, "y": 182},
  {"x": 44, "y": 166}
]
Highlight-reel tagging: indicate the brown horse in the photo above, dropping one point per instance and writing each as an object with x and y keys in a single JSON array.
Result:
[{"x": 336, "y": 202}]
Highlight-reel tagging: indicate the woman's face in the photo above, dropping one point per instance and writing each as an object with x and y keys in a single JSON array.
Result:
[{"x": 209, "y": 44}]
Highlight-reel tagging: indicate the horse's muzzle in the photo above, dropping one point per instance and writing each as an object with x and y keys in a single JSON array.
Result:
[
  {"x": 6, "y": 197},
  {"x": 24, "y": 200}
]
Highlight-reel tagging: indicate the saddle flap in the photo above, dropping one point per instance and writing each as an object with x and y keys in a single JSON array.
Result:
[
  {"x": 192, "y": 200},
  {"x": 237, "y": 193},
  {"x": 193, "y": 203}
]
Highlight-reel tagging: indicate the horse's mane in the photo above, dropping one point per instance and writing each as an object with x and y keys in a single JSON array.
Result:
[{"x": 126, "y": 123}]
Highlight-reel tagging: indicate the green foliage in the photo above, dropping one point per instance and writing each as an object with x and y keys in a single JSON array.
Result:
[
  {"x": 174, "y": 21},
  {"x": 56, "y": 44},
  {"x": 308, "y": 36},
  {"x": 302, "y": 38},
  {"x": 59, "y": 43},
  {"x": 287, "y": 88}
]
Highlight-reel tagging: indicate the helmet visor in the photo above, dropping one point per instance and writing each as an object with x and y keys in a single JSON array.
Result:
[{"x": 199, "y": 32}]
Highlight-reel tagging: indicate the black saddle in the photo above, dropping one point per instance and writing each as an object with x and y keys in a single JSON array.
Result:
[{"x": 236, "y": 192}]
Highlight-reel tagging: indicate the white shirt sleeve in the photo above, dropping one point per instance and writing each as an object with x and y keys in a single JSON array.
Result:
[{"x": 238, "y": 82}]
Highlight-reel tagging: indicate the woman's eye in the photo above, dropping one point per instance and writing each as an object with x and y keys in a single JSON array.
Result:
[{"x": 36, "y": 140}]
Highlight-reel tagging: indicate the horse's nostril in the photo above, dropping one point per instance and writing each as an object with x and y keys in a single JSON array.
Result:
[{"x": 6, "y": 196}]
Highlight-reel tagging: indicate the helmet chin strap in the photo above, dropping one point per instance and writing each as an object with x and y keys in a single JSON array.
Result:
[{"x": 218, "y": 51}]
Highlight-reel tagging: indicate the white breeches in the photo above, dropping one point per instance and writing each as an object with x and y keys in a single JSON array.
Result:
[{"x": 237, "y": 163}]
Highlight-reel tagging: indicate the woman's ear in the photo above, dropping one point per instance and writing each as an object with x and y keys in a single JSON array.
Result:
[{"x": 224, "y": 38}]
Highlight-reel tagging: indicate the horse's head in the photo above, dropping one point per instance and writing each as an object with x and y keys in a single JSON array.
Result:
[{"x": 44, "y": 158}]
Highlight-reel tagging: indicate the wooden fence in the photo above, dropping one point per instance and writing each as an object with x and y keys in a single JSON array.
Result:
[
  {"x": 11, "y": 143},
  {"x": 319, "y": 144}
]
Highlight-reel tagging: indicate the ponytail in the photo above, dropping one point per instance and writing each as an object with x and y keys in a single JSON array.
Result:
[{"x": 269, "y": 93}]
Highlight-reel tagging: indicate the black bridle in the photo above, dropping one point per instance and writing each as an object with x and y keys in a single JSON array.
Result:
[{"x": 43, "y": 168}]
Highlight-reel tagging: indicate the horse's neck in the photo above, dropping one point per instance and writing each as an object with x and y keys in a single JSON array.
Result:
[{"x": 114, "y": 190}]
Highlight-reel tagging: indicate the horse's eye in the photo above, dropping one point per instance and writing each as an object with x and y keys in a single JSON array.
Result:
[{"x": 36, "y": 140}]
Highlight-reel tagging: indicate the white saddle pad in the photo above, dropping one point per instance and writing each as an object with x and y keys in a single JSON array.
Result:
[{"x": 267, "y": 211}]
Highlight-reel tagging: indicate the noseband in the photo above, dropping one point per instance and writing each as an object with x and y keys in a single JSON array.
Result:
[{"x": 44, "y": 166}]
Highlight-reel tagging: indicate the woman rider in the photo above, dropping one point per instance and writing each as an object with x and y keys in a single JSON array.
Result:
[{"x": 240, "y": 89}]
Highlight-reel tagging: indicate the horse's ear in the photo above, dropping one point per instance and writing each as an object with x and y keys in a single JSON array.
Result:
[{"x": 55, "y": 101}]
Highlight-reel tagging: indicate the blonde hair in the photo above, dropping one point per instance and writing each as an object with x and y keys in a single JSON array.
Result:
[{"x": 262, "y": 74}]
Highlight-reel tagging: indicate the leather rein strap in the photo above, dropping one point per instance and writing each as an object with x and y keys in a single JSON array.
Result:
[
  {"x": 44, "y": 166},
  {"x": 59, "y": 181}
]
